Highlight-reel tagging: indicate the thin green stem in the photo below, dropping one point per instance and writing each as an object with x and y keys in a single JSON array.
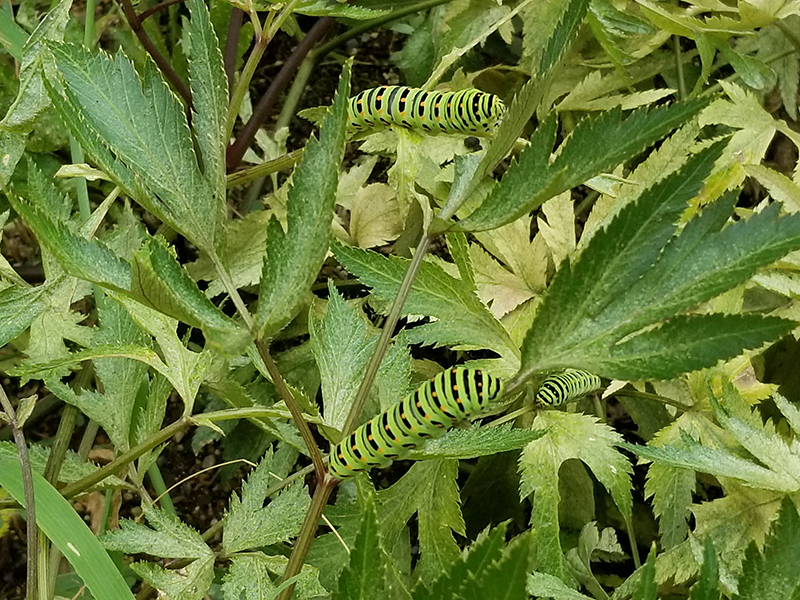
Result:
[
  {"x": 294, "y": 408},
  {"x": 124, "y": 459},
  {"x": 243, "y": 83},
  {"x": 654, "y": 398},
  {"x": 87, "y": 441},
  {"x": 88, "y": 26},
  {"x": 27, "y": 484},
  {"x": 791, "y": 34},
  {"x": 254, "y": 412},
  {"x": 386, "y": 336},
  {"x": 303, "y": 542},
  {"x": 717, "y": 87},
  {"x": 229, "y": 286},
  {"x": 676, "y": 46},
  {"x": 282, "y": 163},
  {"x": 374, "y": 23},
  {"x": 66, "y": 427},
  {"x": 160, "y": 487}
]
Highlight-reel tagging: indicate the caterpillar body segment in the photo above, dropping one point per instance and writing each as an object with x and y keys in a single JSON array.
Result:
[
  {"x": 428, "y": 412},
  {"x": 567, "y": 386},
  {"x": 468, "y": 111}
]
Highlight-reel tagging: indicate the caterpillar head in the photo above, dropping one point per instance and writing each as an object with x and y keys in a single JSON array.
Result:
[{"x": 496, "y": 110}]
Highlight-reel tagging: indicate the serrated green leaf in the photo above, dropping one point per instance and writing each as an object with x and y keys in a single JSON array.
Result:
[
  {"x": 569, "y": 436},
  {"x": 715, "y": 462},
  {"x": 687, "y": 343},
  {"x": 774, "y": 575},
  {"x": 646, "y": 588},
  {"x": 462, "y": 317},
  {"x": 475, "y": 442},
  {"x": 89, "y": 260},
  {"x": 248, "y": 579},
  {"x": 620, "y": 288},
  {"x": 364, "y": 576},
  {"x": 703, "y": 261},
  {"x": 144, "y": 124},
  {"x": 250, "y": 524},
  {"x": 209, "y": 96},
  {"x": 159, "y": 281},
  {"x": 473, "y": 561},
  {"x": 671, "y": 489},
  {"x": 342, "y": 346},
  {"x": 19, "y": 307},
  {"x": 72, "y": 469},
  {"x": 566, "y": 29},
  {"x": 32, "y": 98},
  {"x": 429, "y": 489},
  {"x": 581, "y": 156},
  {"x": 707, "y": 586},
  {"x": 506, "y": 578},
  {"x": 185, "y": 369},
  {"x": 120, "y": 377},
  {"x": 92, "y": 143},
  {"x": 189, "y": 583},
  {"x": 543, "y": 585},
  {"x": 294, "y": 257},
  {"x": 168, "y": 538}
]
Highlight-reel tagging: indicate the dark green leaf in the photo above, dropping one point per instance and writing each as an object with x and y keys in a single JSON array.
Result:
[
  {"x": 506, "y": 578},
  {"x": 707, "y": 586},
  {"x": 646, "y": 587},
  {"x": 596, "y": 145},
  {"x": 209, "y": 96},
  {"x": 294, "y": 257},
  {"x": 774, "y": 575},
  {"x": 144, "y": 124},
  {"x": 364, "y": 577},
  {"x": 476, "y": 441},
  {"x": 79, "y": 257},
  {"x": 462, "y": 317},
  {"x": 684, "y": 344},
  {"x": 486, "y": 550},
  {"x": 159, "y": 281}
]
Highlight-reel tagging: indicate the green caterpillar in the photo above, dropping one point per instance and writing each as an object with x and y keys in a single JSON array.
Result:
[
  {"x": 465, "y": 111},
  {"x": 567, "y": 386},
  {"x": 428, "y": 412}
]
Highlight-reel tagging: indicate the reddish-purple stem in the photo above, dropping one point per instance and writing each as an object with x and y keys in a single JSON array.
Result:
[
  {"x": 232, "y": 44},
  {"x": 264, "y": 108}
]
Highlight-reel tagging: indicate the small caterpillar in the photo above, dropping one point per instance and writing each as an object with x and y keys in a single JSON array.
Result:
[
  {"x": 465, "y": 111},
  {"x": 428, "y": 412},
  {"x": 567, "y": 386}
]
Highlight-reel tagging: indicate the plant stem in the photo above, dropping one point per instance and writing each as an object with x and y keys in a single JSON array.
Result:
[
  {"x": 303, "y": 542},
  {"x": 229, "y": 286},
  {"x": 282, "y": 163},
  {"x": 27, "y": 484},
  {"x": 136, "y": 25},
  {"x": 264, "y": 107},
  {"x": 374, "y": 23},
  {"x": 676, "y": 45},
  {"x": 791, "y": 34},
  {"x": 156, "y": 8},
  {"x": 232, "y": 44},
  {"x": 125, "y": 458},
  {"x": 386, "y": 336},
  {"x": 291, "y": 404}
]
